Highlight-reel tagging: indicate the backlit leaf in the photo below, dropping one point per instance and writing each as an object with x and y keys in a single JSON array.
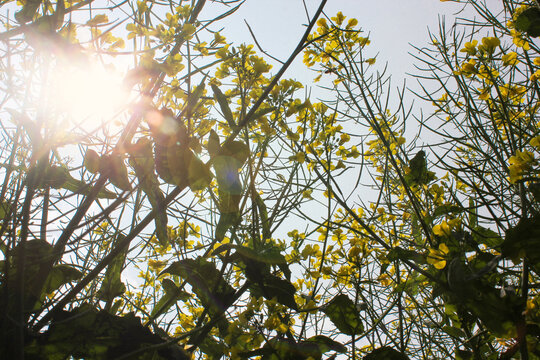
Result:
[{"x": 344, "y": 314}]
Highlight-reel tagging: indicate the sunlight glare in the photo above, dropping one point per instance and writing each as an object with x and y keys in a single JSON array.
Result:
[{"x": 89, "y": 93}]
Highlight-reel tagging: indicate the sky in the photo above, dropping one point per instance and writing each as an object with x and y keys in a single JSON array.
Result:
[{"x": 392, "y": 25}]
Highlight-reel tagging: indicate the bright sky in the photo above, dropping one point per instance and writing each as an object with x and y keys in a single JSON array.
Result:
[{"x": 392, "y": 24}]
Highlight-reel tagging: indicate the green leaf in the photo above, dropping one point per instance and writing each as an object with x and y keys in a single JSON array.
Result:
[
  {"x": 88, "y": 333},
  {"x": 385, "y": 353},
  {"x": 116, "y": 171},
  {"x": 419, "y": 173},
  {"x": 523, "y": 240},
  {"x": 270, "y": 286},
  {"x": 529, "y": 21},
  {"x": 214, "y": 147},
  {"x": 238, "y": 150},
  {"x": 261, "y": 112},
  {"x": 326, "y": 344},
  {"x": 344, "y": 314},
  {"x": 92, "y": 161},
  {"x": 206, "y": 281},
  {"x": 482, "y": 235},
  {"x": 5, "y": 209},
  {"x": 399, "y": 253},
  {"x": 29, "y": 10},
  {"x": 267, "y": 256},
  {"x": 172, "y": 294},
  {"x": 263, "y": 214},
  {"x": 226, "y": 220},
  {"x": 193, "y": 99},
  {"x": 199, "y": 175},
  {"x": 112, "y": 285},
  {"x": 142, "y": 160},
  {"x": 473, "y": 216},
  {"x": 224, "y": 106},
  {"x": 446, "y": 209},
  {"x": 60, "y": 275},
  {"x": 453, "y": 331}
]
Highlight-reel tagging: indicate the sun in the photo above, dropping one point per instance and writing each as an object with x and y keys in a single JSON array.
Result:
[{"x": 88, "y": 92}]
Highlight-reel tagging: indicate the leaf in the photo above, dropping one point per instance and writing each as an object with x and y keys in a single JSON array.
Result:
[
  {"x": 193, "y": 99},
  {"x": 453, "y": 331},
  {"x": 172, "y": 294},
  {"x": 92, "y": 161},
  {"x": 29, "y": 10},
  {"x": 88, "y": 333},
  {"x": 171, "y": 146},
  {"x": 270, "y": 286},
  {"x": 326, "y": 344},
  {"x": 529, "y": 21},
  {"x": 112, "y": 285},
  {"x": 224, "y": 106},
  {"x": 446, "y": 209},
  {"x": 385, "y": 353},
  {"x": 199, "y": 175},
  {"x": 226, "y": 220},
  {"x": 523, "y": 240},
  {"x": 142, "y": 160},
  {"x": 267, "y": 256},
  {"x": 399, "y": 253},
  {"x": 261, "y": 112},
  {"x": 5, "y": 209},
  {"x": 419, "y": 173},
  {"x": 238, "y": 150},
  {"x": 263, "y": 214},
  {"x": 206, "y": 281},
  {"x": 214, "y": 147},
  {"x": 60, "y": 275},
  {"x": 344, "y": 314},
  {"x": 116, "y": 171},
  {"x": 482, "y": 235}
]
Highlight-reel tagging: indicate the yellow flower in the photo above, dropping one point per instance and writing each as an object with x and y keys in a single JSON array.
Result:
[
  {"x": 520, "y": 164},
  {"x": 436, "y": 257},
  {"x": 535, "y": 141},
  {"x": 371, "y": 61},
  {"x": 442, "y": 229},
  {"x": 470, "y": 47},
  {"x": 510, "y": 59},
  {"x": 156, "y": 265},
  {"x": 489, "y": 44}
]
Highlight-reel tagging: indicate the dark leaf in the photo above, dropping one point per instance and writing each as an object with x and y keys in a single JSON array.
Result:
[
  {"x": 399, "y": 253},
  {"x": 116, "y": 171},
  {"x": 214, "y": 147},
  {"x": 344, "y": 314},
  {"x": 142, "y": 160},
  {"x": 224, "y": 106},
  {"x": 92, "y": 161},
  {"x": 263, "y": 214},
  {"x": 385, "y": 353},
  {"x": 172, "y": 294},
  {"x": 206, "y": 281},
  {"x": 523, "y": 240},
  {"x": 446, "y": 209},
  {"x": 419, "y": 173},
  {"x": 529, "y": 21},
  {"x": 60, "y": 275},
  {"x": 112, "y": 285},
  {"x": 27, "y": 13},
  {"x": 326, "y": 344},
  {"x": 482, "y": 235},
  {"x": 199, "y": 175}
]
